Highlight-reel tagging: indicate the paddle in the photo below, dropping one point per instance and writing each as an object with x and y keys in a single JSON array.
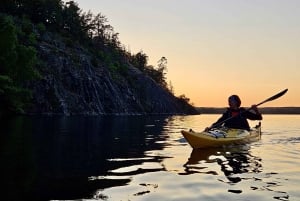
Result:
[{"x": 267, "y": 100}]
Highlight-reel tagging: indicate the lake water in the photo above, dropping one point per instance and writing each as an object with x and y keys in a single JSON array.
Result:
[{"x": 144, "y": 158}]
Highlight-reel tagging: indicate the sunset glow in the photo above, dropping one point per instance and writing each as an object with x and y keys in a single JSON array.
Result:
[{"x": 214, "y": 48}]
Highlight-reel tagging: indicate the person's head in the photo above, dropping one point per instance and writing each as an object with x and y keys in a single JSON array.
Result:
[{"x": 234, "y": 101}]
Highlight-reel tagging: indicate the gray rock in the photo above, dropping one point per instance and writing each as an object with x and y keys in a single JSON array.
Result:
[{"x": 71, "y": 85}]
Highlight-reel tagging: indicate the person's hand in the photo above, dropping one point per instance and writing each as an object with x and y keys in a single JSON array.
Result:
[{"x": 254, "y": 108}]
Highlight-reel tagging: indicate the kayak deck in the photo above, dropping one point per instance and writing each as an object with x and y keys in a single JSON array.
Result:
[{"x": 220, "y": 137}]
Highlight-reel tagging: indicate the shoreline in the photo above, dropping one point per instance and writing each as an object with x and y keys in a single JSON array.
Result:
[{"x": 263, "y": 110}]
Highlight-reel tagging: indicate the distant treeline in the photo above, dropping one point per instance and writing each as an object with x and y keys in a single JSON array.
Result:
[{"x": 263, "y": 110}]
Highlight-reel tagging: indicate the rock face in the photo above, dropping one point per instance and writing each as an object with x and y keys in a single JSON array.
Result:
[{"x": 72, "y": 84}]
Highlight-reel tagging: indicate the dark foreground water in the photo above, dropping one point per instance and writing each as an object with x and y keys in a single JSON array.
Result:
[{"x": 144, "y": 158}]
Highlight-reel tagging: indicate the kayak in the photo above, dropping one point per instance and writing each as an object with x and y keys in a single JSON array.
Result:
[{"x": 221, "y": 136}]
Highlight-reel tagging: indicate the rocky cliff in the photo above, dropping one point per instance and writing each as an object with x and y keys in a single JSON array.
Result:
[{"x": 72, "y": 82}]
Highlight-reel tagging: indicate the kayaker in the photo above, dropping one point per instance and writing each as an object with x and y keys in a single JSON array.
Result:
[{"x": 237, "y": 116}]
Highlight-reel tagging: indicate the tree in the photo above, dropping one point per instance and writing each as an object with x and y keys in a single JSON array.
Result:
[
  {"x": 48, "y": 12},
  {"x": 8, "y": 41},
  {"x": 140, "y": 60},
  {"x": 171, "y": 87},
  {"x": 8, "y": 6},
  {"x": 99, "y": 26},
  {"x": 88, "y": 26},
  {"x": 162, "y": 64},
  {"x": 17, "y": 66},
  {"x": 183, "y": 98},
  {"x": 72, "y": 20},
  {"x": 162, "y": 71}
]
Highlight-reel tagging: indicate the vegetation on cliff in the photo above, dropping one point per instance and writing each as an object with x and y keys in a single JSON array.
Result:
[
  {"x": 17, "y": 64},
  {"x": 33, "y": 30}
]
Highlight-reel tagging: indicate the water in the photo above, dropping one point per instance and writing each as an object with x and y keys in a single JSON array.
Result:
[{"x": 144, "y": 158}]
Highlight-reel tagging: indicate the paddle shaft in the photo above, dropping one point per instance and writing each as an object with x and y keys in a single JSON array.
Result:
[{"x": 267, "y": 100}]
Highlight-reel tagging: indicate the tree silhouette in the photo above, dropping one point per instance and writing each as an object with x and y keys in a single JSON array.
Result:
[{"x": 17, "y": 65}]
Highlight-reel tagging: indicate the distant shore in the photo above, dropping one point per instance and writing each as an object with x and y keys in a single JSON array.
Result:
[{"x": 263, "y": 110}]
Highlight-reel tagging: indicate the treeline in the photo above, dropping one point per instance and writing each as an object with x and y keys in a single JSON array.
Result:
[
  {"x": 92, "y": 31},
  {"x": 263, "y": 110},
  {"x": 21, "y": 23}
]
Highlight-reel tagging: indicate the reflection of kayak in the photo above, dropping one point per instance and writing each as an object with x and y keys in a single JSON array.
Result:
[
  {"x": 221, "y": 136},
  {"x": 233, "y": 160}
]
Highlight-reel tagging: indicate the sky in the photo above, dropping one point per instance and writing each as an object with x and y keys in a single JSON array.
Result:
[{"x": 215, "y": 48}]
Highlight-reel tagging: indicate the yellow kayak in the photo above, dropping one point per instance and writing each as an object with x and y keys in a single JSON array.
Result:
[{"x": 221, "y": 136}]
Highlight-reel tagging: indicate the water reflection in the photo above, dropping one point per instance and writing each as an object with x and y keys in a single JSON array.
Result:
[
  {"x": 232, "y": 160},
  {"x": 235, "y": 163},
  {"x": 72, "y": 157},
  {"x": 138, "y": 158}
]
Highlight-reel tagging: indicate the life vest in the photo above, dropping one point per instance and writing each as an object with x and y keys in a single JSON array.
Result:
[{"x": 235, "y": 113}]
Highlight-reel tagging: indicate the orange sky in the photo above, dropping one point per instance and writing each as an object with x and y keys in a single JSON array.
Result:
[{"x": 215, "y": 48}]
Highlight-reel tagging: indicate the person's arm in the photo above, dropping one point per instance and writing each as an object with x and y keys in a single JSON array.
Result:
[
  {"x": 222, "y": 118},
  {"x": 255, "y": 115}
]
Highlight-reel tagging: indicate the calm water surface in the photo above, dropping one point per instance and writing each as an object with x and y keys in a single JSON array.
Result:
[{"x": 144, "y": 158}]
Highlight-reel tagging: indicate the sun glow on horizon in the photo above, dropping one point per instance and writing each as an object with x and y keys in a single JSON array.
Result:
[{"x": 215, "y": 48}]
